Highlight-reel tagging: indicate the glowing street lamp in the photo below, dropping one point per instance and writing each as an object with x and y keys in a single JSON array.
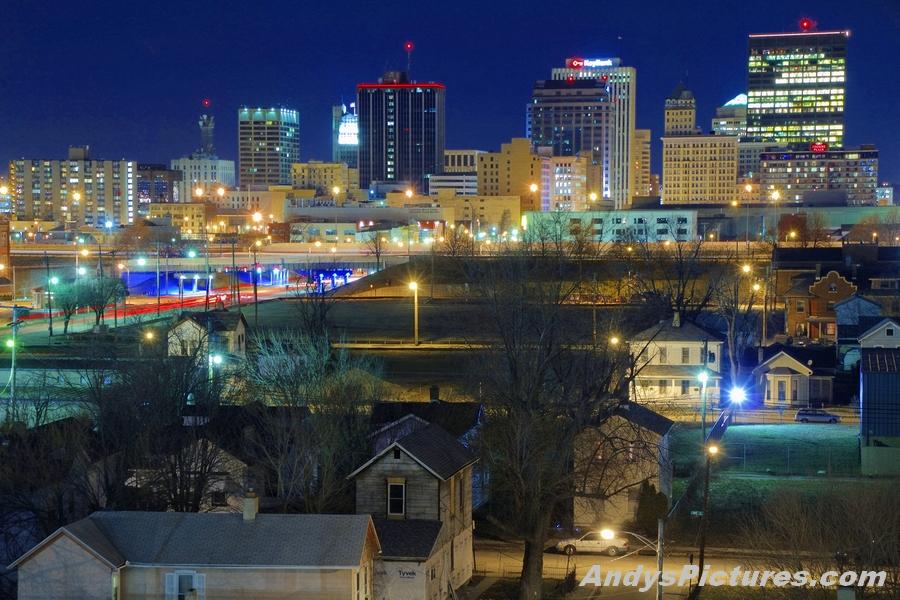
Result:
[
  {"x": 220, "y": 192},
  {"x": 614, "y": 341},
  {"x": 746, "y": 268},
  {"x": 336, "y": 190},
  {"x": 415, "y": 290},
  {"x": 409, "y": 193},
  {"x": 257, "y": 217},
  {"x": 198, "y": 191},
  {"x": 738, "y": 395}
]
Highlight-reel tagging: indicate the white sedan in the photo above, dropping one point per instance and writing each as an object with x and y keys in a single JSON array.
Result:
[{"x": 593, "y": 541}]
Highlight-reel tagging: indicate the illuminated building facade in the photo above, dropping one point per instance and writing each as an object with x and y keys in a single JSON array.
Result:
[
  {"x": 324, "y": 177},
  {"x": 621, "y": 86},
  {"x": 345, "y": 135},
  {"x": 77, "y": 191},
  {"x": 697, "y": 168},
  {"x": 156, "y": 183},
  {"x": 731, "y": 118},
  {"x": 847, "y": 176},
  {"x": 640, "y": 162},
  {"x": 514, "y": 171},
  {"x": 268, "y": 143},
  {"x": 401, "y": 130},
  {"x": 796, "y": 87}
]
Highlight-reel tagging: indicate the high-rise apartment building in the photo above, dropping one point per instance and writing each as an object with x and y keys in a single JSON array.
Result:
[
  {"x": 401, "y": 130},
  {"x": 514, "y": 171},
  {"x": 640, "y": 162},
  {"x": 731, "y": 117},
  {"x": 796, "y": 87},
  {"x": 847, "y": 176},
  {"x": 573, "y": 183},
  {"x": 697, "y": 168},
  {"x": 268, "y": 144},
  {"x": 620, "y": 86},
  {"x": 345, "y": 135},
  {"x": 77, "y": 191}
]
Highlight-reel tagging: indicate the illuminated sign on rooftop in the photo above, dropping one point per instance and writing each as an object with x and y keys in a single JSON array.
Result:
[{"x": 588, "y": 63}]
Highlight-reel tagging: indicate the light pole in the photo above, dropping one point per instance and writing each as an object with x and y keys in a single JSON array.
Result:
[
  {"x": 711, "y": 451},
  {"x": 749, "y": 189},
  {"x": 703, "y": 378},
  {"x": 255, "y": 274},
  {"x": 181, "y": 290},
  {"x": 415, "y": 290}
]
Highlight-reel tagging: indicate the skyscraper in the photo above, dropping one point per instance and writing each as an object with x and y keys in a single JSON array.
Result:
[
  {"x": 207, "y": 125},
  {"x": 345, "y": 135},
  {"x": 572, "y": 116},
  {"x": 796, "y": 86},
  {"x": 401, "y": 130},
  {"x": 268, "y": 142},
  {"x": 620, "y": 85},
  {"x": 697, "y": 168}
]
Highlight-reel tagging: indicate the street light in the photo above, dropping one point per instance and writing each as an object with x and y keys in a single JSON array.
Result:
[
  {"x": 220, "y": 192},
  {"x": 336, "y": 190},
  {"x": 415, "y": 290},
  {"x": 703, "y": 378},
  {"x": 409, "y": 193},
  {"x": 738, "y": 396},
  {"x": 614, "y": 341},
  {"x": 746, "y": 268},
  {"x": 257, "y": 217},
  {"x": 533, "y": 188},
  {"x": 198, "y": 191}
]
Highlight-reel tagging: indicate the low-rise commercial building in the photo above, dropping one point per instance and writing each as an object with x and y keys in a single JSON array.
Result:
[{"x": 847, "y": 176}]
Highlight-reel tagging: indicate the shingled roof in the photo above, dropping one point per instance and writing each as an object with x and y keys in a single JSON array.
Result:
[
  {"x": 666, "y": 331},
  {"x": 456, "y": 418},
  {"x": 219, "y": 539},
  {"x": 411, "y": 539},
  {"x": 433, "y": 448}
]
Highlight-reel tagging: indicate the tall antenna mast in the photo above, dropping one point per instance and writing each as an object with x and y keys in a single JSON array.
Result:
[{"x": 408, "y": 47}]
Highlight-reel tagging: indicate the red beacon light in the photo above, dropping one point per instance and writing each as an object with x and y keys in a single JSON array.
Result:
[
  {"x": 807, "y": 24},
  {"x": 570, "y": 79},
  {"x": 408, "y": 46},
  {"x": 206, "y": 102}
]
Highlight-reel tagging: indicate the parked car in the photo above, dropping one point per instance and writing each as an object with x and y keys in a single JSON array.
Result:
[
  {"x": 593, "y": 541},
  {"x": 815, "y": 415}
]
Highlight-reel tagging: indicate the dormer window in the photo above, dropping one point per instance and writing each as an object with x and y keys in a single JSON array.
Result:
[
  {"x": 396, "y": 497},
  {"x": 396, "y": 454}
]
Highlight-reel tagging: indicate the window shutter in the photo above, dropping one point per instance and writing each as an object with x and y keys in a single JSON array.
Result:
[
  {"x": 171, "y": 586},
  {"x": 200, "y": 585}
]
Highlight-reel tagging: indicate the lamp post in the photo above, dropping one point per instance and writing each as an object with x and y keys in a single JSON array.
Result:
[
  {"x": 703, "y": 378},
  {"x": 712, "y": 451},
  {"x": 255, "y": 274},
  {"x": 776, "y": 196},
  {"x": 415, "y": 290}
]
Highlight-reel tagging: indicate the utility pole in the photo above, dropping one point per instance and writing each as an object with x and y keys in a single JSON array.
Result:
[
  {"x": 12, "y": 372},
  {"x": 157, "y": 276},
  {"x": 235, "y": 282},
  {"x": 208, "y": 280},
  {"x": 49, "y": 293}
]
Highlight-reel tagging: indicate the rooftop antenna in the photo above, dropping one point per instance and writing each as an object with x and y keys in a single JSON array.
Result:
[{"x": 408, "y": 47}]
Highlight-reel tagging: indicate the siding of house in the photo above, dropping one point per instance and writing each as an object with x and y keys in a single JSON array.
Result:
[
  {"x": 880, "y": 338},
  {"x": 64, "y": 570},
  {"x": 146, "y": 583},
  {"x": 422, "y": 500}
]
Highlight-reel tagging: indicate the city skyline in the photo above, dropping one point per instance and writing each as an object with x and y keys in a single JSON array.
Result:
[{"x": 487, "y": 84}]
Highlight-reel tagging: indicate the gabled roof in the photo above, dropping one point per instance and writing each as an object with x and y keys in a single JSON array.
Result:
[
  {"x": 434, "y": 449},
  {"x": 220, "y": 539},
  {"x": 665, "y": 331},
  {"x": 217, "y": 320},
  {"x": 412, "y": 539},
  {"x": 881, "y": 323},
  {"x": 857, "y": 298},
  {"x": 456, "y": 418},
  {"x": 880, "y": 360},
  {"x": 818, "y": 359},
  {"x": 644, "y": 417}
]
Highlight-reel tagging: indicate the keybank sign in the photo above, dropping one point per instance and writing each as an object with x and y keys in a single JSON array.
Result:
[{"x": 588, "y": 63}]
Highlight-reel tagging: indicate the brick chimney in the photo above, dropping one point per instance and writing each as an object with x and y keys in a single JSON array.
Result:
[
  {"x": 676, "y": 319},
  {"x": 251, "y": 506}
]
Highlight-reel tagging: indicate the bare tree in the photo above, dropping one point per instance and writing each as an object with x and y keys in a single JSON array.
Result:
[
  {"x": 376, "y": 243},
  {"x": 101, "y": 292},
  {"x": 457, "y": 241},
  {"x": 69, "y": 297},
  {"x": 674, "y": 275},
  {"x": 735, "y": 296},
  {"x": 311, "y": 431},
  {"x": 543, "y": 387},
  {"x": 844, "y": 527}
]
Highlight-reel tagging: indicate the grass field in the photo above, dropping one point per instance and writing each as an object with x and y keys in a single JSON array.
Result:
[{"x": 792, "y": 449}]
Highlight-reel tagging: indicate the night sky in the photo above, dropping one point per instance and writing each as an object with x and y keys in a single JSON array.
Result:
[{"x": 128, "y": 77}]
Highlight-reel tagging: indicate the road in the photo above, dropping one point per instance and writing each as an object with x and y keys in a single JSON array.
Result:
[{"x": 498, "y": 559}]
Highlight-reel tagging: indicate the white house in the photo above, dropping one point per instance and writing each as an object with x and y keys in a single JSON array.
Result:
[
  {"x": 668, "y": 360},
  {"x": 796, "y": 376},
  {"x": 223, "y": 331},
  {"x": 885, "y": 334}
]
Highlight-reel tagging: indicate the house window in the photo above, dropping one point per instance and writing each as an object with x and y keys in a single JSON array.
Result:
[
  {"x": 396, "y": 498},
  {"x": 801, "y": 306},
  {"x": 685, "y": 386},
  {"x": 685, "y": 356},
  {"x": 185, "y": 585},
  {"x": 663, "y": 386},
  {"x": 663, "y": 355},
  {"x": 396, "y": 454},
  {"x": 889, "y": 332}
]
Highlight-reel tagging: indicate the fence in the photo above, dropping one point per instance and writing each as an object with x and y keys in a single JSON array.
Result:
[{"x": 789, "y": 460}]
